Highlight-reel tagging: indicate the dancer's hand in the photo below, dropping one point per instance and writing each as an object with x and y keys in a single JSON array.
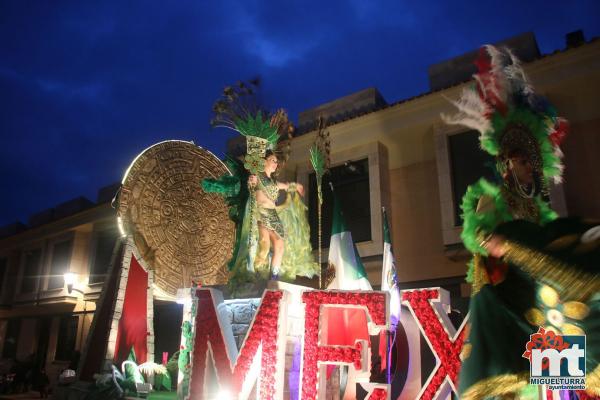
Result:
[
  {"x": 300, "y": 189},
  {"x": 252, "y": 180},
  {"x": 495, "y": 246}
]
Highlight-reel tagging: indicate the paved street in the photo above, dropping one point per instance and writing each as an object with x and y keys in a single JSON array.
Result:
[{"x": 22, "y": 396}]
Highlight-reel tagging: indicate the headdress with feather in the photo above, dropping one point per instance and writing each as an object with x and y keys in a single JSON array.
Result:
[
  {"x": 238, "y": 109},
  {"x": 509, "y": 115}
]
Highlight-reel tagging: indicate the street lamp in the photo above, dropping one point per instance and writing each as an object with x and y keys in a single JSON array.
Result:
[{"x": 70, "y": 279}]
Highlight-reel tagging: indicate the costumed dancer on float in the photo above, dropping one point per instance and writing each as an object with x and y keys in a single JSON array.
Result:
[
  {"x": 273, "y": 239},
  {"x": 265, "y": 191},
  {"x": 529, "y": 269}
]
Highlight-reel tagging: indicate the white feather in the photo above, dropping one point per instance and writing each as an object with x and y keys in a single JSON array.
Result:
[
  {"x": 472, "y": 111},
  {"x": 498, "y": 60}
]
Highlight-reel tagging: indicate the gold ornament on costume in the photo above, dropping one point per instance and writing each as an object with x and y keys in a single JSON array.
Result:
[
  {"x": 183, "y": 233},
  {"x": 549, "y": 296},
  {"x": 254, "y": 163},
  {"x": 575, "y": 285},
  {"x": 535, "y": 317},
  {"x": 521, "y": 207},
  {"x": 564, "y": 318},
  {"x": 516, "y": 137},
  {"x": 576, "y": 310},
  {"x": 572, "y": 329},
  {"x": 465, "y": 352},
  {"x": 498, "y": 385}
]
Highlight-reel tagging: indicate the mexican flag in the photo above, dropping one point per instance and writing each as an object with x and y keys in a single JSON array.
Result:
[
  {"x": 389, "y": 283},
  {"x": 347, "y": 324},
  {"x": 343, "y": 256},
  {"x": 389, "y": 277}
]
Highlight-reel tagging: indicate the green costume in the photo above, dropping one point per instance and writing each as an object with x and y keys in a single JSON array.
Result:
[
  {"x": 539, "y": 282},
  {"x": 251, "y": 260},
  {"x": 267, "y": 217},
  {"x": 262, "y": 131}
]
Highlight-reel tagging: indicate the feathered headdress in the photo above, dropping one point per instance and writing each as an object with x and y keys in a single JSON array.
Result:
[
  {"x": 237, "y": 109},
  {"x": 509, "y": 115}
]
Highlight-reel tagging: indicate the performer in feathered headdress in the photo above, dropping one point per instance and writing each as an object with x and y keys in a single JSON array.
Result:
[
  {"x": 273, "y": 238},
  {"x": 521, "y": 278}
]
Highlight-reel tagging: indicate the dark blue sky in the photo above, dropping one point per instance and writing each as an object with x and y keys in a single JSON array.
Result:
[{"x": 87, "y": 85}]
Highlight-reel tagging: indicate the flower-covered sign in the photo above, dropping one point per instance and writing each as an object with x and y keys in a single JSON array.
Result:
[
  {"x": 261, "y": 355},
  {"x": 261, "y": 358},
  {"x": 375, "y": 304},
  {"x": 376, "y": 391},
  {"x": 430, "y": 308}
]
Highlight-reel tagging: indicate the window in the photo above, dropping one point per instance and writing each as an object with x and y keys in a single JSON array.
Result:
[
  {"x": 351, "y": 184},
  {"x": 468, "y": 163},
  {"x": 67, "y": 335},
  {"x": 104, "y": 245},
  {"x": 61, "y": 257},
  {"x": 31, "y": 271},
  {"x": 460, "y": 163},
  {"x": 11, "y": 339},
  {"x": 3, "y": 265}
]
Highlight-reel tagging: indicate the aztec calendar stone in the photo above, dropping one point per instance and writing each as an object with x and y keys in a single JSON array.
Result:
[{"x": 181, "y": 232}]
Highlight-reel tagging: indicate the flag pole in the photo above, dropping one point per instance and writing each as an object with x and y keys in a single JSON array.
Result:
[
  {"x": 319, "y": 159},
  {"x": 388, "y": 352}
]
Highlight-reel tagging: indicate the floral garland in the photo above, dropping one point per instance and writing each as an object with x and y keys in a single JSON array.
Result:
[
  {"x": 446, "y": 349},
  {"x": 375, "y": 304},
  {"x": 262, "y": 332}
]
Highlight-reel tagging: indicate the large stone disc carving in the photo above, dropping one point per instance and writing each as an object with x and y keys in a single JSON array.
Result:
[{"x": 183, "y": 233}]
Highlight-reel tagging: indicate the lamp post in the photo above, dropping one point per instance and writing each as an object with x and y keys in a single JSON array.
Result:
[{"x": 70, "y": 281}]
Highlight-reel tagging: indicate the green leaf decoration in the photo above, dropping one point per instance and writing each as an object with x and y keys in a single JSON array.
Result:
[
  {"x": 317, "y": 159},
  {"x": 132, "y": 373},
  {"x": 258, "y": 127}
]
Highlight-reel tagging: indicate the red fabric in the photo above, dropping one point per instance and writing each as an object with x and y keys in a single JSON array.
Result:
[
  {"x": 315, "y": 352},
  {"x": 383, "y": 349},
  {"x": 133, "y": 325},
  {"x": 346, "y": 325},
  {"x": 496, "y": 270}
]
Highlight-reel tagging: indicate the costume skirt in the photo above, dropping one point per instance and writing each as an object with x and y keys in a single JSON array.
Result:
[{"x": 268, "y": 218}]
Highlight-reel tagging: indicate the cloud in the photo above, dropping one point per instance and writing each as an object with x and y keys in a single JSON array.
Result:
[{"x": 87, "y": 86}]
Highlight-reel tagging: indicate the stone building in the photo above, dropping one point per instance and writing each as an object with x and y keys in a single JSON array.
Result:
[
  {"x": 43, "y": 320},
  {"x": 397, "y": 155}
]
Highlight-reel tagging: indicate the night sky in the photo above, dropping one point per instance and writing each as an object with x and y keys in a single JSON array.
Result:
[{"x": 86, "y": 86}]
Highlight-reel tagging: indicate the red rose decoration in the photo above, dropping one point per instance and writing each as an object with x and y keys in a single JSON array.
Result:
[
  {"x": 446, "y": 349},
  {"x": 313, "y": 353},
  {"x": 378, "y": 394},
  {"x": 208, "y": 330}
]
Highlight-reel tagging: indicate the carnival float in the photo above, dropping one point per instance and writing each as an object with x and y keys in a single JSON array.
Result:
[{"x": 220, "y": 236}]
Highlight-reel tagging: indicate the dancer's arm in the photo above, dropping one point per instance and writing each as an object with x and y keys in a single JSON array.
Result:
[{"x": 291, "y": 187}]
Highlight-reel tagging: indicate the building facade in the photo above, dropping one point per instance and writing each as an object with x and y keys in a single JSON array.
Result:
[
  {"x": 44, "y": 320},
  {"x": 399, "y": 156}
]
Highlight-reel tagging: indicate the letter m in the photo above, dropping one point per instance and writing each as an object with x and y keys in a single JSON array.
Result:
[
  {"x": 553, "y": 357},
  {"x": 261, "y": 356}
]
